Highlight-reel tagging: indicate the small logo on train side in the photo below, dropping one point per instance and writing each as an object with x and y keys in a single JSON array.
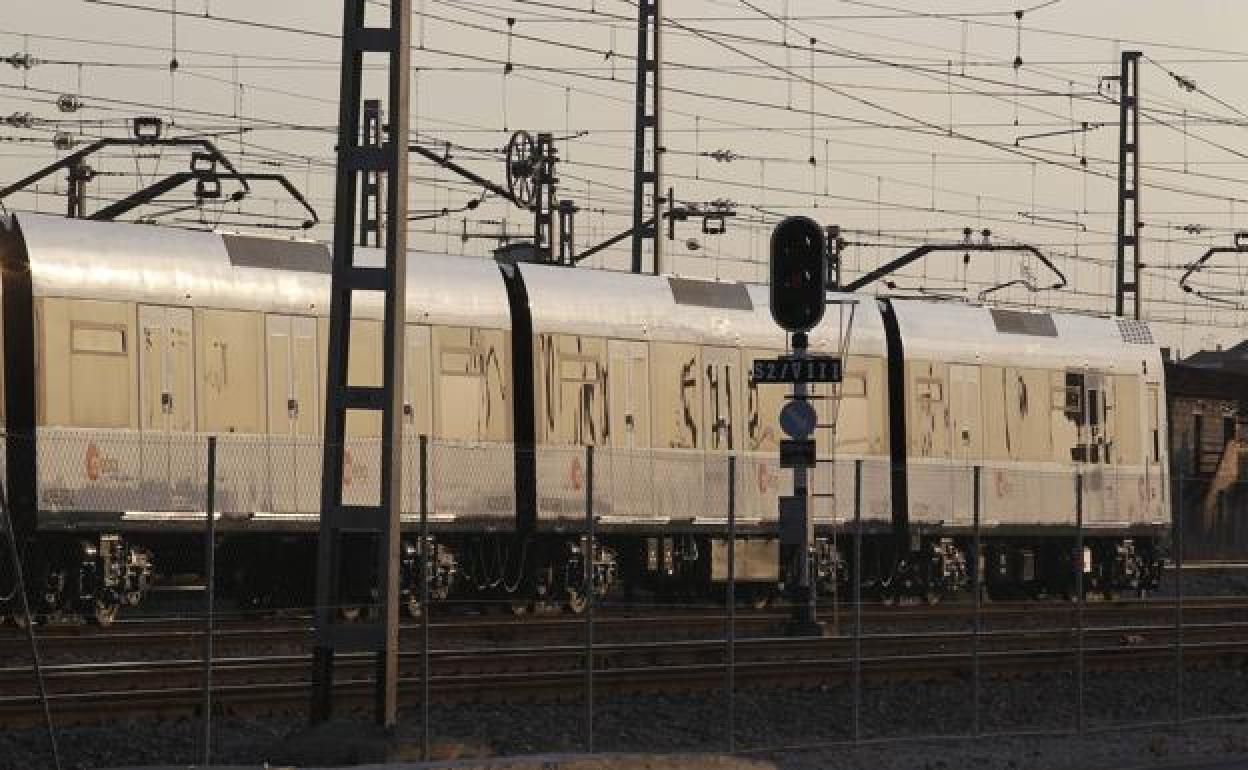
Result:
[
  {"x": 93, "y": 462},
  {"x": 98, "y": 464}
]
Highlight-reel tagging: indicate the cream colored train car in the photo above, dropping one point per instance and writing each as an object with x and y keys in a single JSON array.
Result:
[{"x": 126, "y": 346}]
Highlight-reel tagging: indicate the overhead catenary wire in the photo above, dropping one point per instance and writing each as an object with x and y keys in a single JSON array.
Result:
[{"x": 569, "y": 80}]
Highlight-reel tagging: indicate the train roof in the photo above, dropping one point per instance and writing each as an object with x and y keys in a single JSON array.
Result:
[
  {"x": 961, "y": 333},
  {"x": 623, "y": 305},
  {"x": 172, "y": 266}
]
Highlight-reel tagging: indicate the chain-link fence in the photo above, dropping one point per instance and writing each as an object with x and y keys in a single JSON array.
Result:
[{"x": 650, "y": 608}]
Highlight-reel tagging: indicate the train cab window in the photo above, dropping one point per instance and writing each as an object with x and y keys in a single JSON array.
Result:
[
  {"x": 97, "y": 339},
  {"x": 1072, "y": 404}
]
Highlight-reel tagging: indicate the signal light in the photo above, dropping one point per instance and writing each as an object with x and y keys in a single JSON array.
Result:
[{"x": 797, "y": 274}]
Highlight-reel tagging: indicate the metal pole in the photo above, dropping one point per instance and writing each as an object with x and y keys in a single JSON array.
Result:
[
  {"x": 657, "y": 199},
  {"x": 380, "y": 521},
  {"x": 1135, "y": 183},
  {"x": 588, "y": 579},
  {"x": 807, "y": 615},
  {"x": 732, "y": 604},
  {"x": 1079, "y": 726},
  {"x": 977, "y": 617},
  {"x": 426, "y": 572},
  {"x": 648, "y": 66},
  {"x": 639, "y": 133},
  {"x": 1178, "y": 604},
  {"x": 210, "y": 582},
  {"x": 1128, "y": 184},
  {"x": 36, "y": 663},
  {"x": 857, "y": 661}
]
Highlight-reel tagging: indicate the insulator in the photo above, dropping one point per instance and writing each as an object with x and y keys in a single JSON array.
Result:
[
  {"x": 63, "y": 140},
  {"x": 68, "y": 103},
  {"x": 22, "y": 61},
  {"x": 20, "y": 120}
]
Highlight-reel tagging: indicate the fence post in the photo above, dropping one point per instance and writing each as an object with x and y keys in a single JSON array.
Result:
[
  {"x": 731, "y": 599},
  {"x": 426, "y": 572},
  {"x": 210, "y": 583},
  {"x": 856, "y": 664},
  {"x": 588, "y": 579},
  {"x": 1178, "y": 603},
  {"x": 1079, "y": 725},
  {"x": 36, "y": 663},
  {"x": 977, "y": 619}
]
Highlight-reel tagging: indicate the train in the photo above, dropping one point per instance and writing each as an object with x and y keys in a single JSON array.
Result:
[{"x": 1020, "y": 446}]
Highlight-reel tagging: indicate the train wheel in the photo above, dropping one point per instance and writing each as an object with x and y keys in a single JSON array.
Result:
[
  {"x": 413, "y": 608},
  {"x": 760, "y": 598},
  {"x": 105, "y": 613},
  {"x": 576, "y": 601},
  {"x": 520, "y": 607}
]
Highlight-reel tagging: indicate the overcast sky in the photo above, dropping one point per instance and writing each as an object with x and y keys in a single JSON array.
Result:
[{"x": 919, "y": 125}]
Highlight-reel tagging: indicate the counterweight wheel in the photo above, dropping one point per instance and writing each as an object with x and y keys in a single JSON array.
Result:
[{"x": 522, "y": 163}]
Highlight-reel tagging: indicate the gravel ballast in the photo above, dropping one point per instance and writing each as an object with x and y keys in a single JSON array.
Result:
[{"x": 770, "y": 725}]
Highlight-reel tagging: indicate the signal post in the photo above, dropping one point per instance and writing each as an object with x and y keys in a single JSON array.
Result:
[{"x": 797, "y": 267}]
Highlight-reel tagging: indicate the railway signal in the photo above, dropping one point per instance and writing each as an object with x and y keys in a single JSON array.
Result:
[{"x": 797, "y": 274}]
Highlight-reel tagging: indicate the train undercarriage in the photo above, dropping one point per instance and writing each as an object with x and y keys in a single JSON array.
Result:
[{"x": 93, "y": 578}]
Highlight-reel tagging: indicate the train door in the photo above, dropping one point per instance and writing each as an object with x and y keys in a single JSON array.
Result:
[
  {"x": 721, "y": 412},
  {"x": 417, "y": 410},
  {"x": 966, "y": 444},
  {"x": 721, "y": 386},
  {"x": 1095, "y": 439},
  {"x": 293, "y": 396},
  {"x": 1153, "y": 467},
  {"x": 461, "y": 386},
  {"x": 628, "y": 403},
  {"x": 171, "y": 463},
  {"x": 571, "y": 389},
  {"x": 628, "y": 426}
]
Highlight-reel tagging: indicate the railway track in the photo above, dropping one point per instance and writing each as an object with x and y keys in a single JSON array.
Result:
[
  {"x": 95, "y": 692},
  {"x": 238, "y": 631}
]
